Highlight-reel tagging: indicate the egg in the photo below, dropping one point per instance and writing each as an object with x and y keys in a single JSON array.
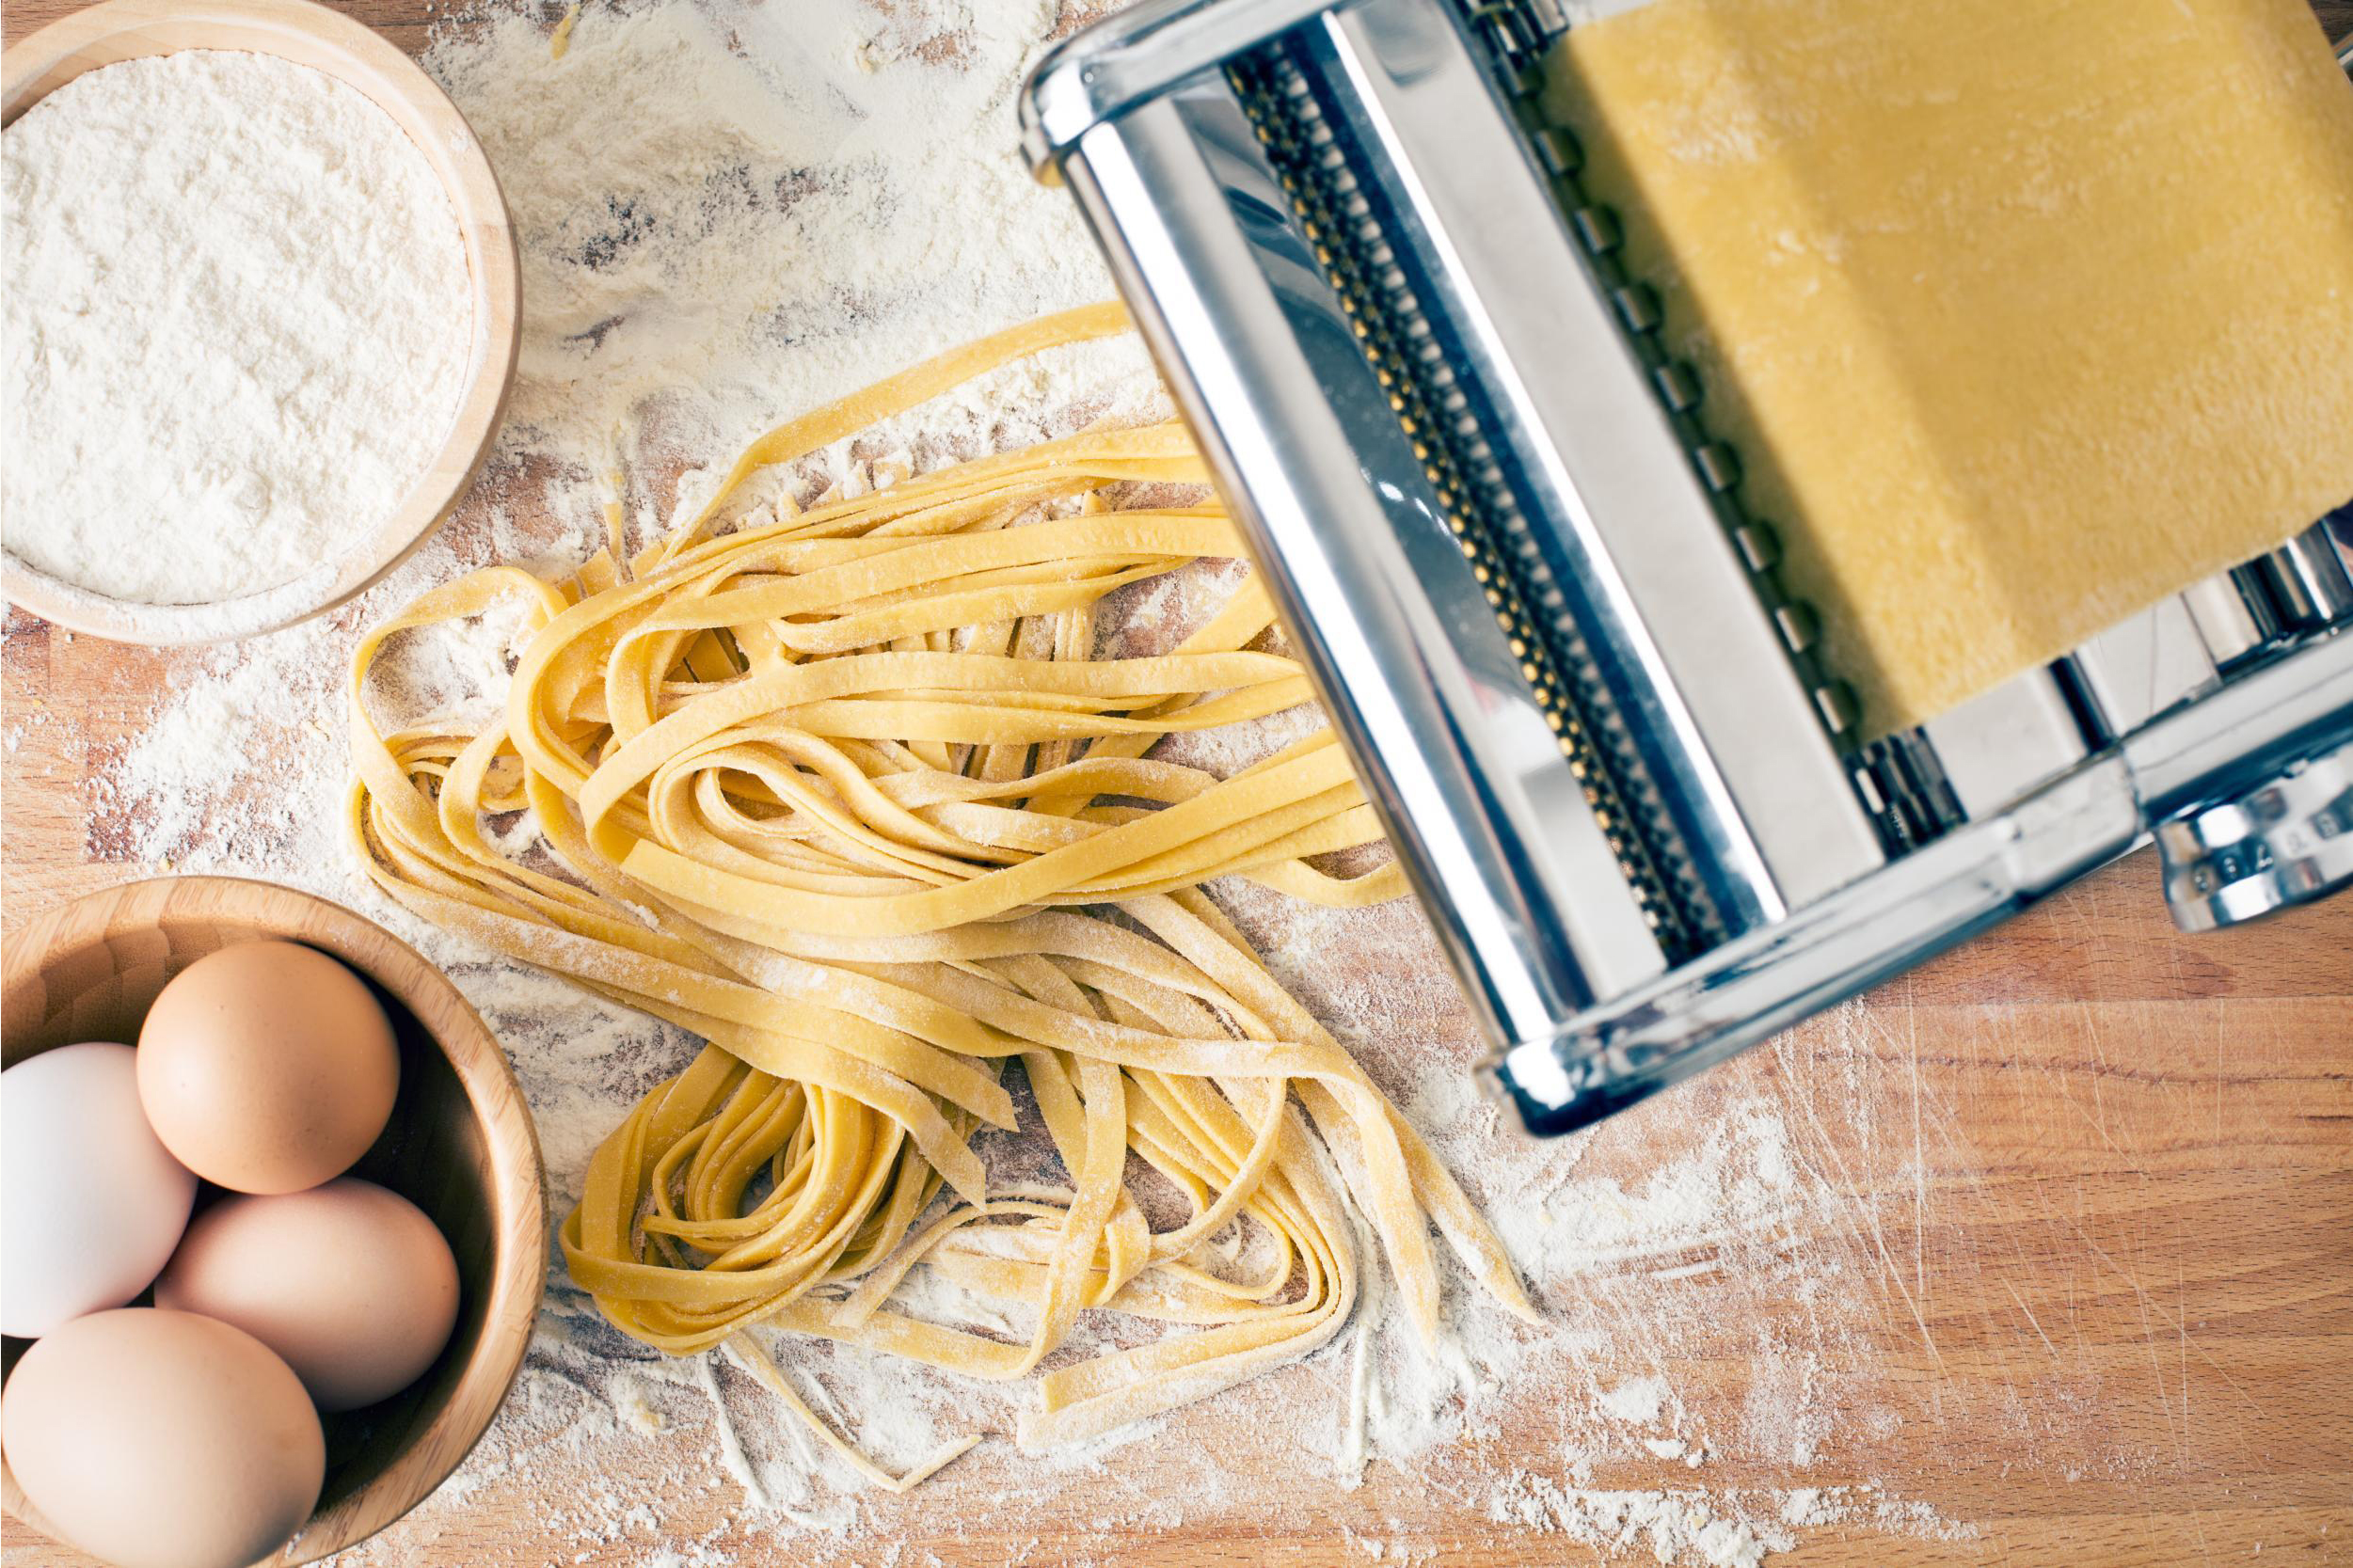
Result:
[
  {"x": 349, "y": 1282},
  {"x": 91, "y": 1203},
  {"x": 159, "y": 1439},
  {"x": 267, "y": 1067}
]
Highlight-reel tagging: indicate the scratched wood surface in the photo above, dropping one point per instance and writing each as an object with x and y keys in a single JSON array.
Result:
[{"x": 2095, "y": 1179}]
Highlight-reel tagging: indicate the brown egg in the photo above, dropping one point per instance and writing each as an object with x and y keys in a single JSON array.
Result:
[
  {"x": 158, "y": 1439},
  {"x": 267, "y": 1067},
  {"x": 349, "y": 1282}
]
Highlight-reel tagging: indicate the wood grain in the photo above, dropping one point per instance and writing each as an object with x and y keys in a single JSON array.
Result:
[
  {"x": 37, "y": 63},
  {"x": 2089, "y": 1201},
  {"x": 459, "y": 1145}
]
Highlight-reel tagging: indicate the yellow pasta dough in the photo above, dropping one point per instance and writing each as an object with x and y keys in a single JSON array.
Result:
[
  {"x": 2022, "y": 315},
  {"x": 846, "y": 792}
]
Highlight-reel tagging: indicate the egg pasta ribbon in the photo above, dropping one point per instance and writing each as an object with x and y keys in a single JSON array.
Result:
[{"x": 849, "y": 792}]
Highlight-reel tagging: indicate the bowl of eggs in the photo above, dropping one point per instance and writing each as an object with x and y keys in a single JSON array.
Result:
[{"x": 273, "y": 1221}]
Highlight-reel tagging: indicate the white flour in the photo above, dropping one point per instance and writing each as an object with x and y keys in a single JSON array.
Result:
[
  {"x": 1631, "y": 1426},
  {"x": 236, "y": 325}
]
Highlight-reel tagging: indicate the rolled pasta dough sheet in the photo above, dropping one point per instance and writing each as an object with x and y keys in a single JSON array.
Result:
[{"x": 2022, "y": 315}]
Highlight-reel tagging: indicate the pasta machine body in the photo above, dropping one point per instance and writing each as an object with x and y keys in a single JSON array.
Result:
[{"x": 1634, "y": 803}]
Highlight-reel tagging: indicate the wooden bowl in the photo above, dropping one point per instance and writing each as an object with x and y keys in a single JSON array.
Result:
[
  {"x": 460, "y": 1146},
  {"x": 310, "y": 35}
]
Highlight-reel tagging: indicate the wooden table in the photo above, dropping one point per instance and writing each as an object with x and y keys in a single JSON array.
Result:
[{"x": 2090, "y": 1183}]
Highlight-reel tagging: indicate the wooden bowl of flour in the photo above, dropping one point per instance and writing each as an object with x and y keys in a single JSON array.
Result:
[
  {"x": 308, "y": 35},
  {"x": 460, "y": 1146}
]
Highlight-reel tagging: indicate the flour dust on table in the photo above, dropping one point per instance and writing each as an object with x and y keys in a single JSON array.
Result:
[
  {"x": 796, "y": 201},
  {"x": 852, "y": 202}
]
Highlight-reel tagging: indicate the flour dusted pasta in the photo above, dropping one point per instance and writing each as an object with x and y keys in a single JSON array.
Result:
[{"x": 848, "y": 794}]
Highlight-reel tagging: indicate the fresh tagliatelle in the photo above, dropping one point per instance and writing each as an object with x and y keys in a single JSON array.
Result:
[{"x": 847, "y": 793}]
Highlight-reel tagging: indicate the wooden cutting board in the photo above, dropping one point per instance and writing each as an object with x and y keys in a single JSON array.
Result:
[{"x": 2093, "y": 1186}]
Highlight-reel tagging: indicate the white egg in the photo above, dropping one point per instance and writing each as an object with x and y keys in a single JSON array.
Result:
[{"x": 91, "y": 1203}]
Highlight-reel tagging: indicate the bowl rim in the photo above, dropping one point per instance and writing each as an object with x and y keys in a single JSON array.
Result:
[
  {"x": 511, "y": 1142},
  {"x": 356, "y": 54}
]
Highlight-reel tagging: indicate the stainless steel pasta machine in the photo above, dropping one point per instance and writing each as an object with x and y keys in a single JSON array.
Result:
[{"x": 1634, "y": 803}]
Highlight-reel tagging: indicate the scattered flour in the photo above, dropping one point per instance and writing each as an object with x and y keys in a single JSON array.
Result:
[
  {"x": 1638, "y": 1400},
  {"x": 730, "y": 214},
  {"x": 859, "y": 206}
]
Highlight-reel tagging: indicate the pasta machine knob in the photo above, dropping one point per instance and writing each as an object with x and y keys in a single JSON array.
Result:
[{"x": 2288, "y": 841}]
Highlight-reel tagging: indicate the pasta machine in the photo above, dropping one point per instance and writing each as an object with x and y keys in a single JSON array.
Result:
[{"x": 1638, "y": 809}]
